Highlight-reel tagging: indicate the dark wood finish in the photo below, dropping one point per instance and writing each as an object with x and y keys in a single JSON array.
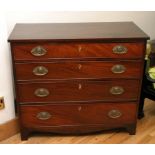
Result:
[
  {"x": 90, "y": 90},
  {"x": 79, "y": 58},
  {"x": 77, "y": 114},
  {"x": 142, "y": 94},
  {"x": 25, "y": 133},
  {"x": 22, "y": 51},
  {"x": 78, "y": 70},
  {"x": 77, "y": 31},
  {"x": 131, "y": 128},
  {"x": 78, "y": 130}
]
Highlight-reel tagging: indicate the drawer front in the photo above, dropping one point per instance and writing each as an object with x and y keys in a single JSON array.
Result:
[
  {"x": 78, "y": 70},
  {"x": 117, "y": 90},
  {"x": 77, "y": 114},
  {"x": 37, "y": 51}
]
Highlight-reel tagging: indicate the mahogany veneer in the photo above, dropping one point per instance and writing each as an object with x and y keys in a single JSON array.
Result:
[
  {"x": 77, "y": 114},
  {"x": 78, "y": 77},
  {"x": 78, "y": 70},
  {"x": 72, "y": 51},
  {"x": 79, "y": 91}
]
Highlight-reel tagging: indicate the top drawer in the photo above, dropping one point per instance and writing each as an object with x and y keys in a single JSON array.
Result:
[{"x": 45, "y": 51}]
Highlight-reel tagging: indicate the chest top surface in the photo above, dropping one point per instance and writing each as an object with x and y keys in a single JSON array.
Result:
[{"x": 76, "y": 31}]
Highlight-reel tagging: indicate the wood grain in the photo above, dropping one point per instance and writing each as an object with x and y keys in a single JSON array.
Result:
[
  {"x": 145, "y": 134},
  {"x": 78, "y": 70},
  {"x": 72, "y": 117},
  {"x": 22, "y": 51},
  {"x": 9, "y": 129},
  {"x": 79, "y": 91}
]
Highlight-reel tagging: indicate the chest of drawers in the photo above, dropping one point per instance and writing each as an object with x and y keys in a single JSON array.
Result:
[{"x": 78, "y": 77}]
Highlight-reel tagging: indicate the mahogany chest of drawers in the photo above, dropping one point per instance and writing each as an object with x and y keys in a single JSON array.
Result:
[{"x": 77, "y": 78}]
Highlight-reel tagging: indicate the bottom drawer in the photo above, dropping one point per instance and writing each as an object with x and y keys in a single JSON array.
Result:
[{"x": 33, "y": 116}]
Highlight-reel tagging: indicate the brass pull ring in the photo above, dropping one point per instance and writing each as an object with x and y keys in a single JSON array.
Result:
[
  {"x": 43, "y": 115},
  {"x": 41, "y": 92},
  {"x": 119, "y": 49},
  {"x": 117, "y": 69},
  {"x": 38, "y": 51},
  {"x": 114, "y": 114},
  {"x": 116, "y": 90},
  {"x": 40, "y": 71}
]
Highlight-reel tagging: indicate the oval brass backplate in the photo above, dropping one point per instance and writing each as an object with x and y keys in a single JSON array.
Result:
[
  {"x": 40, "y": 71},
  {"x": 118, "y": 69},
  {"x": 44, "y": 115},
  {"x": 38, "y": 51},
  {"x": 117, "y": 90},
  {"x": 119, "y": 49},
  {"x": 114, "y": 113},
  {"x": 41, "y": 92}
]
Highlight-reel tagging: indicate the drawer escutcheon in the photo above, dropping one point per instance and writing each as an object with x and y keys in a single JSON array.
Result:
[
  {"x": 79, "y": 66},
  {"x": 80, "y": 86},
  {"x": 79, "y": 49},
  {"x": 38, "y": 51}
]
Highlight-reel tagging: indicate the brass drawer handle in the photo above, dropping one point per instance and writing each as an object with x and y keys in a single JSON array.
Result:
[
  {"x": 118, "y": 69},
  {"x": 40, "y": 71},
  {"x": 41, "y": 92},
  {"x": 119, "y": 49},
  {"x": 116, "y": 90},
  {"x": 43, "y": 115},
  {"x": 38, "y": 51},
  {"x": 114, "y": 114}
]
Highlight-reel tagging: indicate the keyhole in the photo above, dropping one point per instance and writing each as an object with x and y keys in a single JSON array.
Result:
[
  {"x": 79, "y": 66},
  {"x": 80, "y": 86},
  {"x": 80, "y": 48},
  {"x": 79, "y": 108}
]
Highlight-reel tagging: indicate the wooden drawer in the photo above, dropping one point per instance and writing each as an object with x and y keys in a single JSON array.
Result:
[
  {"x": 47, "y": 51},
  {"x": 77, "y": 114},
  {"x": 78, "y": 70},
  {"x": 117, "y": 90}
]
